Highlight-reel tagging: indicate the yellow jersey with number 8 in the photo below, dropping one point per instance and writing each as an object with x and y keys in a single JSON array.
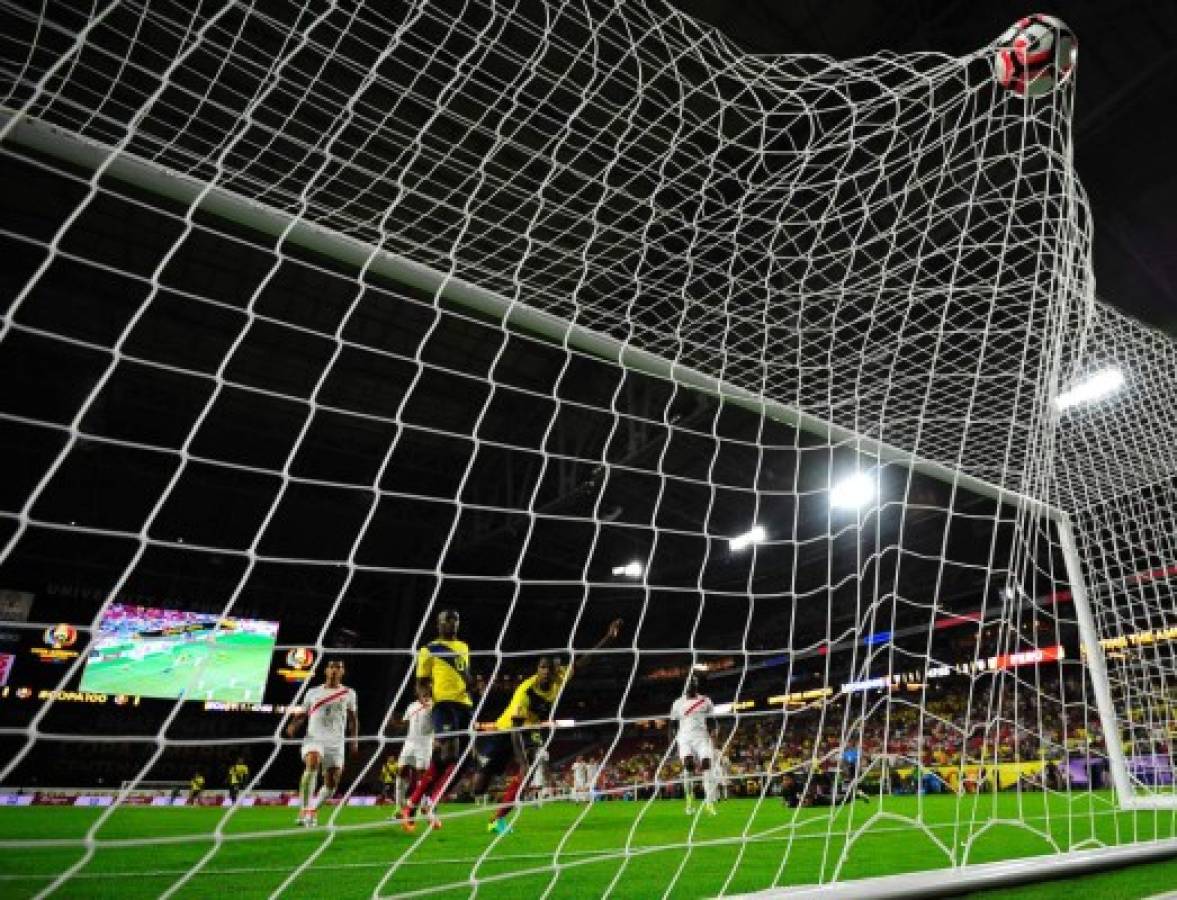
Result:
[{"x": 445, "y": 664}]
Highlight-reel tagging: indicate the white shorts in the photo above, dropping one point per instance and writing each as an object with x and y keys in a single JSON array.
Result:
[
  {"x": 697, "y": 747},
  {"x": 415, "y": 754},
  {"x": 330, "y": 754}
]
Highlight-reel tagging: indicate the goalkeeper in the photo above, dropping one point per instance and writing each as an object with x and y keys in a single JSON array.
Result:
[{"x": 530, "y": 707}]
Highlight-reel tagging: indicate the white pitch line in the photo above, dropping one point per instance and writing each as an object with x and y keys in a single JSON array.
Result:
[
  {"x": 245, "y": 870},
  {"x": 768, "y": 836}
]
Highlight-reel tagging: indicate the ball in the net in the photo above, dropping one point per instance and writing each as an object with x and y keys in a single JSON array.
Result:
[{"x": 1034, "y": 55}]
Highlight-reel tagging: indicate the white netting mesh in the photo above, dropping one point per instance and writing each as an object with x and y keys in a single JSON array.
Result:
[
  {"x": 851, "y": 216},
  {"x": 1118, "y": 475},
  {"x": 336, "y": 314}
]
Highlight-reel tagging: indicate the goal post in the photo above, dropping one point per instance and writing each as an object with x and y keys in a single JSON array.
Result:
[{"x": 1126, "y": 794}]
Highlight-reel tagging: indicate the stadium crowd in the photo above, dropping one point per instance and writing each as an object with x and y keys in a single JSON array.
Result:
[
  {"x": 957, "y": 722},
  {"x": 955, "y": 727}
]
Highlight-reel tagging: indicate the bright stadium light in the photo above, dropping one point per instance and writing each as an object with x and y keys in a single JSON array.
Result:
[
  {"x": 755, "y": 535},
  {"x": 1093, "y": 388},
  {"x": 629, "y": 570},
  {"x": 854, "y": 492}
]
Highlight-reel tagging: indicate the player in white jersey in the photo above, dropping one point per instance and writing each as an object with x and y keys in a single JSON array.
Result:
[
  {"x": 723, "y": 773},
  {"x": 330, "y": 713},
  {"x": 580, "y": 780},
  {"x": 541, "y": 778},
  {"x": 689, "y": 716},
  {"x": 418, "y": 747}
]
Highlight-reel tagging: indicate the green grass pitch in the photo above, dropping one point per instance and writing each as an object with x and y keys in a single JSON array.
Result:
[
  {"x": 236, "y": 672},
  {"x": 638, "y": 848}
]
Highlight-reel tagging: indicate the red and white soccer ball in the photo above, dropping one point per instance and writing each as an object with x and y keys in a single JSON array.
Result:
[{"x": 1035, "y": 55}]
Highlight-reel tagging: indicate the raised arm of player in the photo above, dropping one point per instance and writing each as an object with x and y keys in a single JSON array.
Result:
[{"x": 611, "y": 634}]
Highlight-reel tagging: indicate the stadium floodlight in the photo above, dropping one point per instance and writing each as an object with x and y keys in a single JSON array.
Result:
[
  {"x": 1095, "y": 387},
  {"x": 630, "y": 570},
  {"x": 854, "y": 492},
  {"x": 755, "y": 535}
]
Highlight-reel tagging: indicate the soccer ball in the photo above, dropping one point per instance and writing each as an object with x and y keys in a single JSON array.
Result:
[{"x": 1035, "y": 55}]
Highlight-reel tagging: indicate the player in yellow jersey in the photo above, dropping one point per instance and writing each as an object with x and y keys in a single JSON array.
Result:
[
  {"x": 444, "y": 676},
  {"x": 531, "y": 705},
  {"x": 195, "y": 789},
  {"x": 389, "y": 779},
  {"x": 238, "y": 775}
]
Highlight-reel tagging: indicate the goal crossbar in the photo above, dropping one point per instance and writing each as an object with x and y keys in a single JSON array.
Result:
[{"x": 140, "y": 173}]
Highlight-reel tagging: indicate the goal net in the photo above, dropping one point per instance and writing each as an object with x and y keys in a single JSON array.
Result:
[
  {"x": 321, "y": 318},
  {"x": 1117, "y": 473}
]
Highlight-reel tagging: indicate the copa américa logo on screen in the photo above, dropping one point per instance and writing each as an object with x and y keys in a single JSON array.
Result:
[
  {"x": 63, "y": 635},
  {"x": 298, "y": 664},
  {"x": 300, "y": 658}
]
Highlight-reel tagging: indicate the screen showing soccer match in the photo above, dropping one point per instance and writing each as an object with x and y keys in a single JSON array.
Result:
[{"x": 179, "y": 655}]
